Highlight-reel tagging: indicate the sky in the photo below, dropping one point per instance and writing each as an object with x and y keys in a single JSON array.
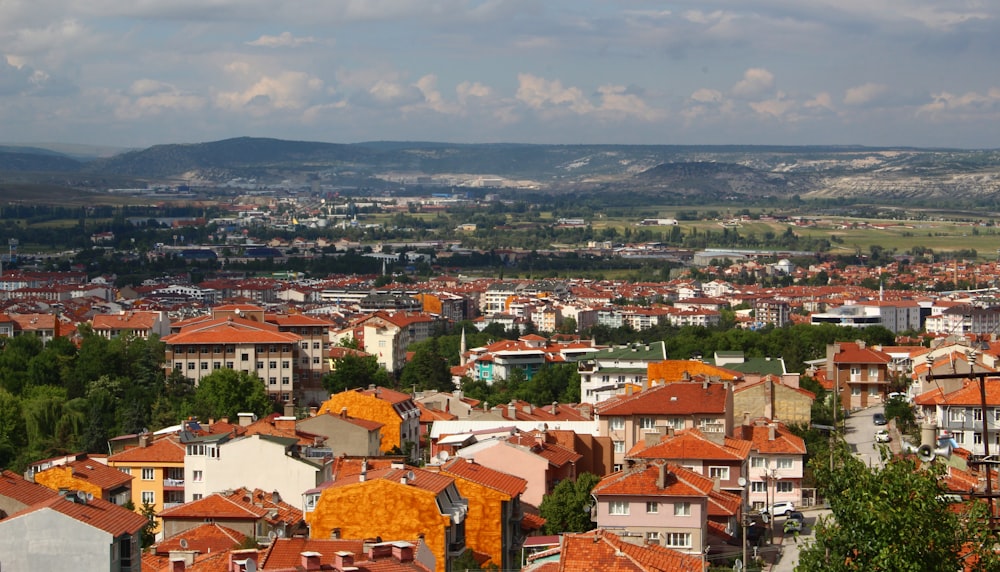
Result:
[{"x": 135, "y": 73}]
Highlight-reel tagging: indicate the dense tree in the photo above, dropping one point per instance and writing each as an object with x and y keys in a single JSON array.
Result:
[
  {"x": 226, "y": 393},
  {"x": 897, "y": 517},
  {"x": 567, "y": 509},
  {"x": 427, "y": 370},
  {"x": 353, "y": 371},
  {"x": 13, "y": 438}
]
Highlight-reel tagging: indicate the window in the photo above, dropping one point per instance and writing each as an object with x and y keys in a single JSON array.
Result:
[
  {"x": 758, "y": 487},
  {"x": 872, "y": 372},
  {"x": 855, "y": 370},
  {"x": 148, "y": 497},
  {"x": 647, "y": 423},
  {"x": 196, "y": 496},
  {"x": 260, "y": 365},
  {"x": 204, "y": 365},
  {"x": 873, "y": 390},
  {"x": 315, "y": 360},
  {"x": 272, "y": 364},
  {"x": 304, "y": 345},
  {"x": 959, "y": 436},
  {"x": 677, "y": 539},
  {"x": 128, "y": 471},
  {"x": 179, "y": 365},
  {"x": 284, "y": 380},
  {"x": 652, "y": 507},
  {"x": 757, "y": 462},
  {"x": 856, "y": 390},
  {"x": 956, "y": 415},
  {"x": 616, "y": 468},
  {"x": 245, "y": 357},
  {"x": 977, "y": 438},
  {"x": 721, "y": 473},
  {"x": 977, "y": 414},
  {"x": 286, "y": 364},
  {"x": 652, "y": 538},
  {"x": 315, "y": 345},
  {"x": 618, "y": 507},
  {"x": 229, "y": 364},
  {"x": 272, "y": 381},
  {"x": 190, "y": 365},
  {"x": 996, "y": 415},
  {"x": 148, "y": 473},
  {"x": 619, "y": 446},
  {"x": 785, "y": 463},
  {"x": 784, "y": 486},
  {"x": 197, "y": 476},
  {"x": 682, "y": 509},
  {"x": 216, "y": 365},
  {"x": 617, "y": 423},
  {"x": 305, "y": 360}
]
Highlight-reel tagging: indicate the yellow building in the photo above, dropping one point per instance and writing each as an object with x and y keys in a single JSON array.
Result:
[
  {"x": 398, "y": 414},
  {"x": 158, "y": 471},
  {"x": 90, "y": 476},
  {"x": 396, "y": 502},
  {"x": 493, "y": 527}
]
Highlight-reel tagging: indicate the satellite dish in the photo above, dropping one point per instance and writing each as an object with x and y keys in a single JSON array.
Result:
[
  {"x": 272, "y": 535},
  {"x": 410, "y": 476},
  {"x": 184, "y": 543},
  {"x": 82, "y": 495},
  {"x": 443, "y": 456},
  {"x": 281, "y": 533},
  {"x": 251, "y": 565},
  {"x": 742, "y": 481},
  {"x": 90, "y": 496},
  {"x": 738, "y": 566}
]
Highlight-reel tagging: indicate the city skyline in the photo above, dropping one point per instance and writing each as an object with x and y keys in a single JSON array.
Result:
[{"x": 914, "y": 73}]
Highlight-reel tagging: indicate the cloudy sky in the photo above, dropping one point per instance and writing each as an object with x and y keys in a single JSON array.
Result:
[{"x": 140, "y": 72}]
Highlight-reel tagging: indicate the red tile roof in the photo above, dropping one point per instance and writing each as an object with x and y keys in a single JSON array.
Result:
[
  {"x": 386, "y": 394},
  {"x": 554, "y": 453},
  {"x": 692, "y": 444},
  {"x": 485, "y": 476},
  {"x": 162, "y": 450},
  {"x": 605, "y": 551},
  {"x": 231, "y": 331},
  {"x": 287, "y": 552},
  {"x": 209, "y": 537},
  {"x": 967, "y": 396},
  {"x": 99, "y": 474},
  {"x": 100, "y": 514},
  {"x": 14, "y": 486},
  {"x": 677, "y": 398},
  {"x": 851, "y": 352},
  {"x": 642, "y": 480},
  {"x": 215, "y": 506},
  {"x": 286, "y": 512},
  {"x": 784, "y": 442},
  {"x": 426, "y": 480}
]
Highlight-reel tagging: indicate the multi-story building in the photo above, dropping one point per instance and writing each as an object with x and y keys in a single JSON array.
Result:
[
  {"x": 398, "y": 414},
  {"x": 714, "y": 455},
  {"x": 91, "y": 476},
  {"x": 606, "y": 372},
  {"x": 777, "y": 458},
  {"x": 959, "y": 413},
  {"x": 158, "y": 468},
  {"x": 860, "y": 374},
  {"x": 137, "y": 323},
  {"x": 387, "y": 335}
]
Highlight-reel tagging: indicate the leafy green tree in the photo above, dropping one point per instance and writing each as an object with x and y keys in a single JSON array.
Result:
[
  {"x": 226, "y": 393},
  {"x": 353, "y": 371},
  {"x": 427, "y": 370},
  {"x": 12, "y": 431},
  {"x": 567, "y": 509},
  {"x": 147, "y": 535},
  {"x": 896, "y": 517}
]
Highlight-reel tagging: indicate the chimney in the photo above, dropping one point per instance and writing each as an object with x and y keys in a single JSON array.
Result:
[
  {"x": 285, "y": 424},
  {"x": 289, "y": 409},
  {"x": 238, "y": 559},
  {"x": 144, "y": 439},
  {"x": 651, "y": 438},
  {"x": 343, "y": 413},
  {"x": 185, "y": 558},
  {"x": 335, "y": 534},
  {"x": 512, "y": 410},
  {"x": 311, "y": 560},
  {"x": 746, "y": 418},
  {"x": 555, "y": 407},
  {"x": 770, "y": 432},
  {"x": 661, "y": 476},
  {"x": 380, "y": 550},
  {"x": 246, "y": 419},
  {"x": 402, "y": 551}
]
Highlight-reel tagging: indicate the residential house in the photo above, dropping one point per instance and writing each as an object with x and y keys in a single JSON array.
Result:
[
  {"x": 394, "y": 502},
  {"x": 345, "y": 435},
  {"x": 773, "y": 399},
  {"x": 958, "y": 412},
  {"x": 386, "y": 335},
  {"x": 777, "y": 460},
  {"x": 71, "y": 530},
  {"x": 605, "y": 372},
  {"x": 18, "y": 493},
  {"x": 713, "y": 455},
  {"x": 493, "y": 525},
  {"x": 139, "y": 323},
  {"x": 245, "y": 518},
  {"x": 399, "y": 416},
  {"x": 287, "y": 554},
  {"x": 91, "y": 476},
  {"x": 604, "y": 550},
  {"x": 158, "y": 468},
  {"x": 655, "y": 503},
  {"x": 529, "y": 456},
  {"x": 680, "y": 405},
  {"x": 860, "y": 374}
]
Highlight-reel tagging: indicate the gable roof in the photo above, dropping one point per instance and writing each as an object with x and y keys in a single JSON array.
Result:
[
  {"x": 645, "y": 480},
  {"x": 98, "y": 474},
  {"x": 692, "y": 444},
  {"x": 206, "y": 538},
  {"x": 14, "y": 486},
  {"x": 231, "y": 331},
  {"x": 677, "y": 398},
  {"x": 784, "y": 442},
  {"x": 216, "y": 506},
  {"x": 605, "y": 551},
  {"x": 100, "y": 514},
  {"x": 422, "y": 479},
  {"x": 852, "y": 352},
  {"x": 287, "y": 552},
  {"x": 497, "y": 480},
  {"x": 162, "y": 450}
]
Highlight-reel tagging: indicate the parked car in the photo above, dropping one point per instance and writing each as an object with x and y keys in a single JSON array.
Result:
[
  {"x": 782, "y": 508},
  {"x": 879, "y": 419},
  {"x": 792, "y": 525},
  {"x": 882, "y": 436},
  {"x": 796, "y": 515}
]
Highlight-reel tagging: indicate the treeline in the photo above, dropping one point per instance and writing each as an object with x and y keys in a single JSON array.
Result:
[{"x": 59, "y": 398}]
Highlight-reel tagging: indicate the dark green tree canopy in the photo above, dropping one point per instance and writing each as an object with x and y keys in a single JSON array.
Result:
[
  {"x": 226, "y": 393},
  {"x": 567, "y": 509}
]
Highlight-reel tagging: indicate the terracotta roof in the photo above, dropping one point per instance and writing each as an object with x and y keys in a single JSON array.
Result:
[
  {"x": 555, "y": 454},
  {"x": 215, "y": 506},
  {"x": 604, "y": 551},
  {"x": 723, "y": 503},
  {"x": 531, "y": 522},
  {"x": 692, "y": 444},
  {"x": 677, "y": 398},
  {"x": 99, "y": 474},
  {"x": 641, "y": 480},
  {"x": 268, "y": 500},
  {"x": 785, "y": 442},
  {"x": 162, "y": 450},
  {"x": 485, "y": 476},
  {"x": 386, "y": 394},
  {"x": 14, "y": 486},
  {"x": 231, "y": 331},
  {"x": 967, "y": 396},
  {"x": 287, "y": 552},
  {"x": 100, "y": 514},
  {"x": 125, "y": 321},
  {"x": 426, "y": 480},
  {"x": 853, "y": 353},
  {"x": 206, "y": 538}
]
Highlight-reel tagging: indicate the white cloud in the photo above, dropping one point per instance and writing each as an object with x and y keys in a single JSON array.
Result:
[
  {"x": 705, "y": 95},
  {"x": 616, "y": 99},
  {"x": 288, "y": 90},
  {"x": 778, "y": 107},
  {"x": 969, "y": 104},
  {"x": 864, "y": 94},
  {"x": 145, "y": 98},
  {"x": 468, "y": 90},
  {"x": 756, "y": 82},
  {"x": 821, "y": 101},
  {"x": 283, "y": 40},
  {"x": 539, "y": 93}
]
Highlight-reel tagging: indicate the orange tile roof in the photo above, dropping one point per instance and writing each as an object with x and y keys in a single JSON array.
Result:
[
  {"x": 674, "y": 370},
  {"x": 99, "y": 474},
  {"x": 286, "y": 512},
  {"x": 426, "y": 480},
  {"x": 692, "y": 444},
  {"x": 605, "y": 551},
  {"x": 785, "y": 442},
  {"x": 101, "y": 514},
  {"x": 126, "y": 321},
  {"x": 162, "y": 450},
  {"x": 287, "y": 552},
  {"x": 479, "y": 474},
  {"x": 206, "y": 538},
  {"x": 554, "y": 453},
  {"x": 14, "y": 486},
  {"x": 215, "y": 506},
  {"x": 723, "y": 503},
  {"x": 532, "y": 522},
  {"x": 386, "y": 394},
  {"x": 677, "y": 398},
  {"x": 231, "y": 331},
  {"x": 641, "y": 480},
  {"x": 851, "y": 352}
]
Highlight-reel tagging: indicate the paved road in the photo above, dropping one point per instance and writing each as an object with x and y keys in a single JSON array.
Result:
[
  {"x": 790, "y": 548},
  {"x": 859, "y": 433}
]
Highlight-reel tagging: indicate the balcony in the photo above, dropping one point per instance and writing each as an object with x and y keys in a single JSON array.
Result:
[
  {"x": 173, "y": 484},
  {"x": 167, "y": 505}
]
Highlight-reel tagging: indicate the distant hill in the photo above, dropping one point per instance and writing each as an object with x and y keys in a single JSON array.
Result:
[{"x": 732, "y": 171}]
